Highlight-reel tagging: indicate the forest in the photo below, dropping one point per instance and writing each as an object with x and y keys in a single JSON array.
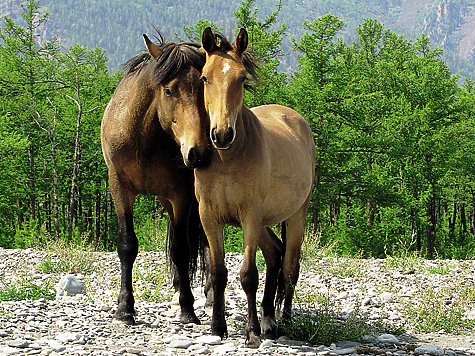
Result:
[{"x": 393, "y": 127}]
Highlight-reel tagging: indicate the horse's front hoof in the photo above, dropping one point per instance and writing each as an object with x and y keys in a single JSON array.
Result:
[
  {"x": 189, "y": 318},
  {"x": 253, "y": 341},
  {"x": 268, "y": 328},
  {"x": 124, "y": 318},
  {"x": 221, "y": 333}
]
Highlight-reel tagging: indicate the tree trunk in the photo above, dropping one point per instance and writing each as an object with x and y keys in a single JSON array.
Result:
[
  {"x": 97, "y": 219},
  {"x": 20, "y": 215},
  {"x": 72, "y": 202},
  {"x": 463, "y": 224},
  {"x": 452, "y": 223},
  {"x": 31, "y": 184},
  {"x": 431, "y": 222}
]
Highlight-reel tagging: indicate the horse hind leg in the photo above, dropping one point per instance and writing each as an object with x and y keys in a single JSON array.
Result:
[
  {"x": 294, "y": 231},
  {"x": 127, "y": 247},
  {"x": 271, "y": 248}
]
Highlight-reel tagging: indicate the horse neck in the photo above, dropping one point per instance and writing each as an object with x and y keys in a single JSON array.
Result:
[{"x": 248, "y": 136}]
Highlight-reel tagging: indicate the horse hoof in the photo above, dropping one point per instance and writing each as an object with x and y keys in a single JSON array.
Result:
[
  {"x": 189, "y": 318},
  {"x": 254, "y": 341},
  {"x": 123, "y": 318},
  {"x": 221, "y": 334},
  {"x": 268, "y": 328}
]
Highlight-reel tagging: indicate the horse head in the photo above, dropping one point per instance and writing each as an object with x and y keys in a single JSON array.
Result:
[
  {"x": 224, "y": 75},
  {"x": 178, "y": 97}
]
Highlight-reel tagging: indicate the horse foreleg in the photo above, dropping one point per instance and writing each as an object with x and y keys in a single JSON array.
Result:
[
  {"x": 250, "y": 281},
  {"x": 127, "y": 247},
  {"x": 208, "y": 288},
  {"x": 183, "y": 240},
  {"x": 271, "y": 248},
  {"x": 218, "y": 270}
]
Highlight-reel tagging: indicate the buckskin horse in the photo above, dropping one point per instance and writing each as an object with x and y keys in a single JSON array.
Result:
[
  {"x": 145, "y": 132},
  {"x": 261, "y": 173}
]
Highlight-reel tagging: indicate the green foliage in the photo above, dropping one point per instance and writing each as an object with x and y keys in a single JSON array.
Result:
[
  {"x": 78, "y": 259},
  {"x": 318, "y": 320},
  {"x": 432, "y": 311},
  {"x": 26, "y": 291},
  {"x": 394, "y": 133}
]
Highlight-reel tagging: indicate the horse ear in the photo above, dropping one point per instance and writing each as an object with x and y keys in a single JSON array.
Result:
[
  {"x": 153, "y": 49},
  {"x": 208, "y": 40},
  {"x": 242, "y": 40}
]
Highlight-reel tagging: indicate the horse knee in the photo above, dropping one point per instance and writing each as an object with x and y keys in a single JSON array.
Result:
[
  {"x": 249, "y": 278},
  {"x": 219, "y": 278}
]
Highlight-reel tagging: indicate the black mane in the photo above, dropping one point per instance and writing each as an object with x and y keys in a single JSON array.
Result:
[{"x": 174, "y": 58}]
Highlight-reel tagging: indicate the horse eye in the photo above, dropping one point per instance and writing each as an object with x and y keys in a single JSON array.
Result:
[
  {"x": 204, "y": 79},
  {"x": 168, "y": 91}
]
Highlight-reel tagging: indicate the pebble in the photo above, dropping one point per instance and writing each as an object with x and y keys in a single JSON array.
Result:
[
  {"x": 81, "y": 323},
  {"x": 429, "y": 350}
]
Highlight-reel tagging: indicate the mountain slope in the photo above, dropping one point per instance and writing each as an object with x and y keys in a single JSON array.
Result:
[{"x": 117, "y": 25}]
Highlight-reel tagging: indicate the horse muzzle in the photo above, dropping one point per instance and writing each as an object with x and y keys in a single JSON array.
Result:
[
  {"x": 223, "y": 139},
  {"x": 197, "y": 157}
]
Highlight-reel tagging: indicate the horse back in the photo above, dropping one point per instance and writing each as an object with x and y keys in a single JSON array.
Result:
[{"x": 281, "y": 122}]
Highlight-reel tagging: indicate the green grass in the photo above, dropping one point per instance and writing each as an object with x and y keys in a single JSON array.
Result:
[
  {"x": 319, "y": 321},
  {"x": 154, "y": 276},
  {"x": 68, "y": 259},
  {"x": 26, "y": 291},
  {"x": 434, "y": 310}
]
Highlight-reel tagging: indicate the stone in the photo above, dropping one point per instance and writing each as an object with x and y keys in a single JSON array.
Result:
[
  {"x": 346, "y": 351},
  {"x": 209, "y": 339},
  {"x": 69, "y": 285},
  {"x": 429, "y": 350},
  {"x": 224, "y": 348},
  {"x": 266, "y": 344},
  {"x": 388, "y": 339},
  {"x": 19, "y": 343},
  {"x": 180, "y": 344}
]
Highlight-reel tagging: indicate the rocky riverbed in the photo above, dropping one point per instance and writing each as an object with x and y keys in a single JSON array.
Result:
[{"x": 82, "y": 324}]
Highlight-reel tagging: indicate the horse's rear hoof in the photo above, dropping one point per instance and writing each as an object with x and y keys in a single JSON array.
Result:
[
  {"x": 268, "y": 328},
  {"x": 254, "y": 341},
  {"x": 189, "y": 318}
]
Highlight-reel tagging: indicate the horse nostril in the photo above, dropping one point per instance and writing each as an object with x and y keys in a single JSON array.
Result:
[
  {"x": 230, "y": 135},
  {"x": 192, "y": 156},
  {"x": 213, "y": 134}
]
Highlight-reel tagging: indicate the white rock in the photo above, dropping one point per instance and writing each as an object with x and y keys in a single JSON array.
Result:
[
  {"x": 56, "y": 346},
  {"x": 198, "y": 350},
  {"x": 9, "y": 351},
  {"x": 266, "y": 344},
  {"x": 388, "y": 338},
  {"x": 224, "y": 348},
  {"x": 67, "y": 337},
  {"x": 70, "y": 285},
  {"x": 209, "y": 339},
  {"x": 343, "y": 295},
  {"x": 180, "y": 344},
  {"x": 19, "y": 343}
]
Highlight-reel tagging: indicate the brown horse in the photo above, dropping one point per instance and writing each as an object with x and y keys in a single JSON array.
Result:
[
  {"x": 145, "y": 132},
  {"x": 261, "y": 173}
]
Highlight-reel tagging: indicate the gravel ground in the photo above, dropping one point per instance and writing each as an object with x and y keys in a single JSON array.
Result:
[{"x": 82, "y": 324}]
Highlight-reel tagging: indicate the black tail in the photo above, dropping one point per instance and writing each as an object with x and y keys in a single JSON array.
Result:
[{"x": 280, "y": 294}]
